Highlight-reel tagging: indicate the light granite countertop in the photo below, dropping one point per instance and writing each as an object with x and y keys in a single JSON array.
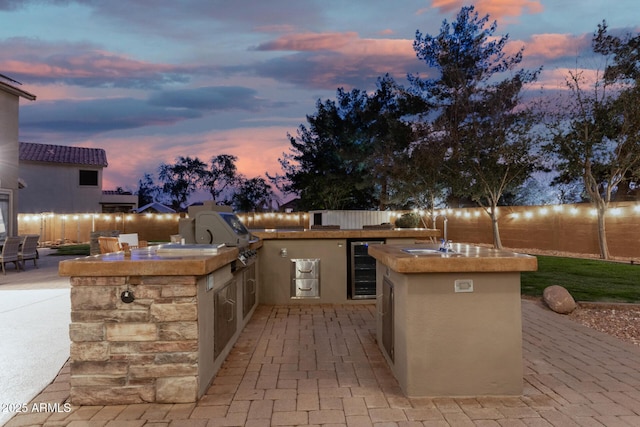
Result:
[{"x": 464, "y": 258}]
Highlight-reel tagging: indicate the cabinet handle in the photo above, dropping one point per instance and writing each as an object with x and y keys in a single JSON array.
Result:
[
  {"x": 305, "y": 289},
  {"x": 306, "y": 271},
  {"x": 232, "y": 303},
  {"x": 253, "y": 285}
]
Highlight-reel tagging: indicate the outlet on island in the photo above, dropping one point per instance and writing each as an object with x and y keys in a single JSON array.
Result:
[{"x": 463, "y": 285}]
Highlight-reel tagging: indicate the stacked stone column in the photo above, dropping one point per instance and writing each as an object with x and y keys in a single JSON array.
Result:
[{"x": 142, "y": 351}]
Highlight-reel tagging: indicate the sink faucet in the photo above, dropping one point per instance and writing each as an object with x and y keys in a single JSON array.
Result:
[
  {"x": 434, "y": 217},
  {"x": 446, "y": 245}
]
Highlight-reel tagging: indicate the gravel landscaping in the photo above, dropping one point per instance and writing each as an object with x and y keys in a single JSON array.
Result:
[{"x": 620, "y": 320}]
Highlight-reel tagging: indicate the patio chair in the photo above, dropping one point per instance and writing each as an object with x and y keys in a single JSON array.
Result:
[
  {"x": 29, "y": 249},
  {"x": 109, "y": 244},
  {"x": 10, "y": 252}
]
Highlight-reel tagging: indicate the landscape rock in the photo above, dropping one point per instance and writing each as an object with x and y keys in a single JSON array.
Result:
[{"x": 559, "y": 299}]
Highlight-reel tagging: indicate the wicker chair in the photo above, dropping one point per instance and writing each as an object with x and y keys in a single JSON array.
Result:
[
  {"x": 29, "y": 249},
  {"x": 10, "y": 252},
  {"x": 109, "y": 244}
]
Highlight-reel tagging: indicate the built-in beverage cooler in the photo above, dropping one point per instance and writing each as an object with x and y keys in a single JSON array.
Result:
[{"x": 362, "y": 268}]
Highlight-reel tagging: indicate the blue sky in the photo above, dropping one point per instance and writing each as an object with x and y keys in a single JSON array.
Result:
[{"x": 151, "y": 80}]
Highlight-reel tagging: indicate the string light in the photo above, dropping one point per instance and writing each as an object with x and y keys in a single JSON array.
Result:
[{"x": 280, "y": 219}]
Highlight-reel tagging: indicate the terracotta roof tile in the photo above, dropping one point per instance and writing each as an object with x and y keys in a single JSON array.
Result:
[{"x": 62, "y": 154}]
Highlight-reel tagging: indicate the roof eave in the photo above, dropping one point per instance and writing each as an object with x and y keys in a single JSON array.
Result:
[{"x": 17, "y": 92}]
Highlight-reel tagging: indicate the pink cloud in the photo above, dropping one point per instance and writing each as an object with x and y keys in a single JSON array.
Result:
[
  {"x": 347, "y": 43},
  {"x": 331, "y": 60},
  {"x": 305, "y": 42},
  {"x": 257, "y": 149},
  {"x": 553, "y": 46},
  {"x": 556, "y": 79},
  {"x": 495, "y": 8},
  {"x": 80, "y": 63}
]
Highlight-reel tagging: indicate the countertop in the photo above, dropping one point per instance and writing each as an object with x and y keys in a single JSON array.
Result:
[
  {"x": 418, "y": 233},
  {"x": 464, "y": 258},
  {"x": 148, "y": 262}
]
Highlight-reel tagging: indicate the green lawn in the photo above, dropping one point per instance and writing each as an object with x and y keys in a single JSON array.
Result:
[{"x": 585, "y": 279}]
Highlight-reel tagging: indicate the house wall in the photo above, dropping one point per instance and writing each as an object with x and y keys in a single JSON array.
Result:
[
  {"x": 8, "y": 160},
  {"x": 56, "y": 188}
]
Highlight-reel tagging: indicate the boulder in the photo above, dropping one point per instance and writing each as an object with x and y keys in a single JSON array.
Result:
[{"x": 558, "y": 299}]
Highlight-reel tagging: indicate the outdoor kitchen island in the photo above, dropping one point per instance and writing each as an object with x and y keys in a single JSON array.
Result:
[
  {"x": 449, "y": 323},
  {"x": 325, "y": 266},
  {"x": 154, "y": 326}
]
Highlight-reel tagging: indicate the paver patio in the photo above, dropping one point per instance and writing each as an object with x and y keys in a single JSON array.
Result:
[{"x": 320, "y": 365}]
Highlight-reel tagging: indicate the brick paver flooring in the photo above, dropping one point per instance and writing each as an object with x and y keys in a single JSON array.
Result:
[{"x": 320, "y": 365}]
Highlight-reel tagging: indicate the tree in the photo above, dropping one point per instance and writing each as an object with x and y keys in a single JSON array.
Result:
[
  {"x": 181, "y": 179},
  {"x": 478, "y": 118},
  {"x": 418, "y": 181},
  {"x": 252, "y": 195},
  {"x": 222, "y": 175},
  {"x": 597, "y": 135},
  {"x": 326, "y": 165},
  {"x": 388, "y": 131},
  {"x": 147, "y": 190}
]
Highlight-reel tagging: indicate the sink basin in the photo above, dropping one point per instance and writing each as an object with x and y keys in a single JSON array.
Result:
[
  {"x": 429, "y": 252},
  {"x": 189, "y": 249}
]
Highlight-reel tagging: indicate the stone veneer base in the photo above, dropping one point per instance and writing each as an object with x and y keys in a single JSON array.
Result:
[{"x": 143, "y": 351}]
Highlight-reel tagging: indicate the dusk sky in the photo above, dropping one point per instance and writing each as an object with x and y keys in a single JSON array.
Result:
[{"x": 151, "y": 80}]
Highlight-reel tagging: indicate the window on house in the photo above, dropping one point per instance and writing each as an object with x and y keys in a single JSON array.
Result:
[{"x": 89, "y": 178}]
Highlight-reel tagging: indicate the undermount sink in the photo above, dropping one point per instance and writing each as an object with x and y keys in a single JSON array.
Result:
[{"x": 429, "y": 252}]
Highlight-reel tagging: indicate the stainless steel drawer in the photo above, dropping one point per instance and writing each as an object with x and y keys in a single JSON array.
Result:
[
  {"x": 305, "y": 268},
  {"x": 307, "y": 288},
  {"x": 305, "y": 278}
]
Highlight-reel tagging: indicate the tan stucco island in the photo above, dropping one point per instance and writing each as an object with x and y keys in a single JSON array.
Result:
[
  {"x": 449, "y": 323},
  {"x": 325, "y": 266},
  {"x": 154, "y": 327}
]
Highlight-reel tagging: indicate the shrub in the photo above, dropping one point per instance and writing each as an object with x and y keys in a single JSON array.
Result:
[{"x": 408, "y": 220}]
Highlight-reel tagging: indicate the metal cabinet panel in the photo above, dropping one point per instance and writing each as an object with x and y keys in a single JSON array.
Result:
[
  {"x": 249, "y": 289},
  {"x": 225, "y": 319},
  {"x": 305, "y": 278}
]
